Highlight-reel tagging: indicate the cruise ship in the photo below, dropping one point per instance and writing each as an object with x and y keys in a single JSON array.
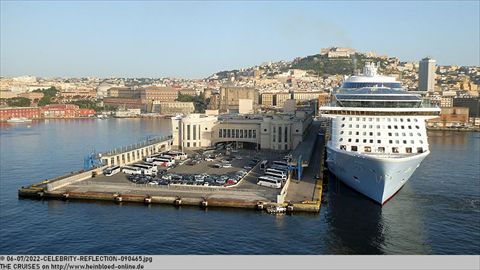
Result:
[{"x": 378, "y": 135}]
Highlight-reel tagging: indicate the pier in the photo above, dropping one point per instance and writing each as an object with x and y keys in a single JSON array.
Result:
[{"x": 303, "y": 195}]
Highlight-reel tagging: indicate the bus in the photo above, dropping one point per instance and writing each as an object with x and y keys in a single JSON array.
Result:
[
  {"x": 277, "y": 171},
  {"x": 276, "y": 175},
  {"x": 150, "y": 158},
  {"x": 111, "y": 170},
  {"x": 146, "y": 169},
  {"x": 268, "y": 181},
  {"x": 280, "y": 168},
  {"x": 280, "y": 163},
  {"x": 164, "y": 162},
  {"x": 177, "y": 155},
  {"x": 263, "y": 165},
  {"x": 131, "y": 170},
  {"x": 154, "y": 166}
]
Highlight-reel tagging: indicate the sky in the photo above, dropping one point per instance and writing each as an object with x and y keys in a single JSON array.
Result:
[{"x": 192, "y": 39}]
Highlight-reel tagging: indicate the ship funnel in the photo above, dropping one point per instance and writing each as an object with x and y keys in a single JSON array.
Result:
[{"x": 370, "y": 70}]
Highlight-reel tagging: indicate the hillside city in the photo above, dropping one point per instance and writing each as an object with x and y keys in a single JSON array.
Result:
[{"x": 453, "y": 88}]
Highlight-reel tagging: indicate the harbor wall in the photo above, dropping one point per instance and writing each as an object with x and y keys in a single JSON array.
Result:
[{"x": 55, "y": 184}]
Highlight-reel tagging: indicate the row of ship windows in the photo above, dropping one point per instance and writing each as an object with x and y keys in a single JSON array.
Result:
[
  {"x": 364, "y": 133},
  {"x": 368, "y": 149},
  {"x": 378, "y": 126},
  {"x": 378, "y": 119},
  {"x": 380, "y": 141}
]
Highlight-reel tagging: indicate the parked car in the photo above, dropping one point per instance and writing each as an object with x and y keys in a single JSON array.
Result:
[
  {"x": 210, "y": 178},
  {"x": 209, "y": 158},
  {"x": 230, "y": 182},
  {"x": 248, "y": 167},
  {"x": 192, "y": 162},
  {"x": 227, "y": 165},
  {"x": 217, "y": 165},
  {"x": 199, "y": 178},
  {"x": 221, "y": 181},
  {"x": 177, "y": 177}
]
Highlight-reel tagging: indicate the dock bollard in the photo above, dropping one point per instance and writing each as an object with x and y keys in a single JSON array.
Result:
[
  {"x": 147, "y": 200},
  {"x": 260, "y": 206},
  {"x": 178, "y": 201}
]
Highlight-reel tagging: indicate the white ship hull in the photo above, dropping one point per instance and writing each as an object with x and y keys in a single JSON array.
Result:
[
  {"x": 19, "y": 120},
  {"x": 377, "y": 177}
]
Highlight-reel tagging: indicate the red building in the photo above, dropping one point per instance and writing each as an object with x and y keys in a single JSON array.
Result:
[
  {"x": 28, "y": 112},
  {"x": 48, "y": 111},
  {"x": 86, "y": 112},
  {"x": 60, "y": 111}
]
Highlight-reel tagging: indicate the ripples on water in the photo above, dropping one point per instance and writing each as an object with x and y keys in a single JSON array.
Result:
[{"x": 436, "y": 212}]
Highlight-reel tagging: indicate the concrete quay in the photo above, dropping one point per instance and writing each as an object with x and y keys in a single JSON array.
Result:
[{"x": 296, "y": 196}]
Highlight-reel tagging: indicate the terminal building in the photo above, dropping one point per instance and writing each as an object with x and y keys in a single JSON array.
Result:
[{"x": 279, "y": 131}]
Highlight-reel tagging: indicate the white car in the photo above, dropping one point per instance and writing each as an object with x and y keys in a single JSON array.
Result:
[
  {"x": 209, "y": 159},
  {"x": 199, "y": 178},
  {"x": 227, "y": 165}
]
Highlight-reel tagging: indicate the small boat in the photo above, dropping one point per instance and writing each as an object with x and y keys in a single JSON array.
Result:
[
  {"x": 19, "y": 120},
  {"x": 276, "y": 209}
]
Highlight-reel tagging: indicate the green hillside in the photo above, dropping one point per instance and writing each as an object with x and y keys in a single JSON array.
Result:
[{"x": 322, "y": 65}]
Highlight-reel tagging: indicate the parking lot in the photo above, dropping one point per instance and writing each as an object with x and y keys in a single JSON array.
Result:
[{"x": 244, "y": 188}]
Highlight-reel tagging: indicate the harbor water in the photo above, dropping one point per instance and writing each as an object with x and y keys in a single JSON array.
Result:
[{"x": 436, "y": 212}]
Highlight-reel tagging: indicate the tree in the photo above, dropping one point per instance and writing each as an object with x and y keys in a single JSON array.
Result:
[
  {"x": 48, "y": 94},
  {"x": 18, "y": 102},
  {"x": 198, "y": 101},
  {"x": 185, "y": 98}
]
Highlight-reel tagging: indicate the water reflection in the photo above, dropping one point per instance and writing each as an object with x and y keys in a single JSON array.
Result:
[
  {"x": 356, "y": 222},
  {"x": 448, "y": 137},
  {"x": 361, "y": 226}
]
